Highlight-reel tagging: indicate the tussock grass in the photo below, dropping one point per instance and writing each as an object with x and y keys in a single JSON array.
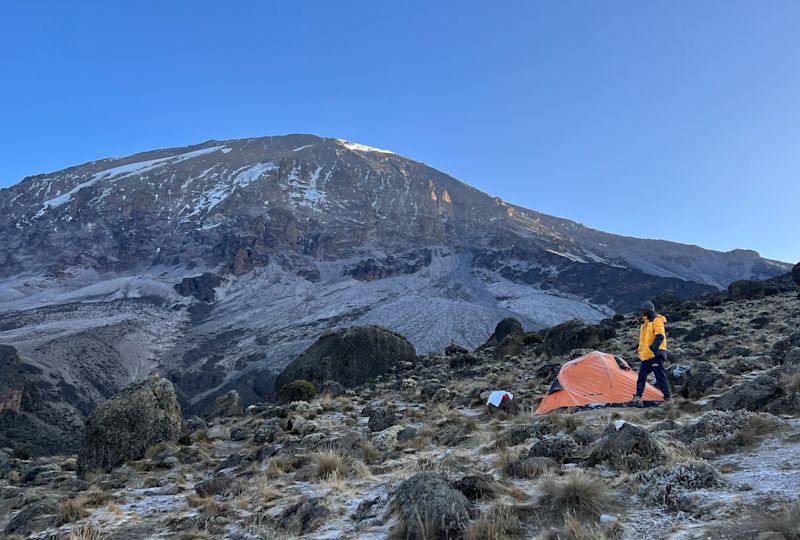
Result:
[
  {"x": 577, "y": 529},
  {"x": 578, "y": 493},
  {"x": 156, "y": 449},
  {"x": 85, "y": 531},
  {"x": 787, "y": 522},
  {"x": 72, "y": 510},
  {"x": 497, "y": 523},
  {"x": 208, "y": 505},
  {"x": 324, "y": 464},
  {"x": 279, "y": 466}
]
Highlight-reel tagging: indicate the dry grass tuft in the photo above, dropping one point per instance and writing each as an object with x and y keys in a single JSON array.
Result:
[
  {"x": 156, "y": 449},
  {"x": 85, "y": 531},
  {"x": 370, "y": 453},
  {"x": 208, "y": 505},
  {"x": 330, "y": 464},
  {"x": 72, "y": 510},
  {"x": 279, "y": 466},
  {"x": 497, "y": 523},
  {"x": 578, "y": 493},
  {"x": 577, "y": 529},
  {"x": 787, "y": 522}
]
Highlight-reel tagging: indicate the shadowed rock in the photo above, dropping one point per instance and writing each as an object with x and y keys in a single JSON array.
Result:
[
  {"x": 350, "y": 356},
  {"x": 751, "y": 395},
  {"x": 229, "y": 404},
  {"x": 429, "y": 508},
  {"x": 124, "y": 427}
]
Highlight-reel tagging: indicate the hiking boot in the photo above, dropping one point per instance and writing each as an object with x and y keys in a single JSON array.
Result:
[{"x": 636, "y": 401}]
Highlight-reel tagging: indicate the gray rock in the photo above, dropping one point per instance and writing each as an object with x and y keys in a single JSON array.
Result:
[
  {"x": 751, "y": 395},
  {"x": 381, "y": 418},
  {"x": 792, "y": 357},
  {"x": 350, "y": 356},
  {"x": 226, "y": 405},
  {"x": 387, "y": 439},
  {"x": 701, "y": 377},
  {"x": 429, "y": 507},
  {"x": 33, "y": 517},
  {"x": 667, "y": 485},
  {"x": 626, "y": 447},
  {"x": 561, "y": 339},
  {"x": 560, "y": 448},
  {"x": 218, "y": 433},
  {"x": 124, "y": 427},
  {"x": 219, "y": 484},
  {"x": 265, "y": 433},
  {"x": 304, "y": 517},
  {"x": 332, "y": 388},
  {"x": 474, "y": 487},
  {"x": 796, "y": 273},
  {"x": 450, "y": 435}
]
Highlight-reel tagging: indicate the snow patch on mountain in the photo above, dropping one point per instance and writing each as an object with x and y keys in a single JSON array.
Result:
[
  {"x": 362, "y": 147},
  {"x": 123, "y": 171}
]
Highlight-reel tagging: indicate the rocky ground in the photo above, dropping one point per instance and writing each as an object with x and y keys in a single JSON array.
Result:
[{"x": 416, "y": 453}]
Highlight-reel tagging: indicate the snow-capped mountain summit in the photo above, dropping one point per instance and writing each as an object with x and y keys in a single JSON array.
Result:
[{"x": 293, "y": 235}]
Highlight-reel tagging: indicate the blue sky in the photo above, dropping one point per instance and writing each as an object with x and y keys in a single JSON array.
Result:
[{"x": 677, "y": 120}]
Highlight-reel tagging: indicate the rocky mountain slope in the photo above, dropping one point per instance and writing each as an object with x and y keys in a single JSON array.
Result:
[
  {"x": 218, "y": 263},
  {"x": 416, "y": 452}
]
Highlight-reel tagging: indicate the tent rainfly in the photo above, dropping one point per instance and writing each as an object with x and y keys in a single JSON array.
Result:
[{"x": 594, "y": 379}]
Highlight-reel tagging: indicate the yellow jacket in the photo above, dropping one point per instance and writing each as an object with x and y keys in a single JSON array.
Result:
[{"x": 647, "y": 334}]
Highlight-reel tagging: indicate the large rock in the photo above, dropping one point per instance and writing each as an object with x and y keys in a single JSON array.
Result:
[
  {"x": 381, "y": 418},
  {"x": 507, "y": 339},
  {"x": 33, "y": 517},
  {"x": 796, "y": 273},
  {"x": 570, "y": 335},
  {"x": 229, "y": 404},
  {"x": 748, "y": 290},
  {"x": 200, "y": 287},
  {"x": 124, "y": 427},
  {"x": 429, "y": 507},
  {"x": 350, "y": 356},
  {"x": 626, "y": 447},
  {"x": 701, "y": 377},
  {"x": 751, "y": 395}
]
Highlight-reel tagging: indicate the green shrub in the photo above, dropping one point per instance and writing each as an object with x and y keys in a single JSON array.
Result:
[
  {"x": 532, "y": 338},
  {"x": 23, "y": 451},
  {"x": 299, "y": 390}
]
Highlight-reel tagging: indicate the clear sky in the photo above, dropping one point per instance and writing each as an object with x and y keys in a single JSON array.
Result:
[{"x": 673, "y": 119}]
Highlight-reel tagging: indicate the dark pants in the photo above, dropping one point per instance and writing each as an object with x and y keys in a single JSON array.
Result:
[{"x": 656, "y": 366}]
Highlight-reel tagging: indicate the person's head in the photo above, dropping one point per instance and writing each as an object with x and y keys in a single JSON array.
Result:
[{"x": 648, "y": 307}]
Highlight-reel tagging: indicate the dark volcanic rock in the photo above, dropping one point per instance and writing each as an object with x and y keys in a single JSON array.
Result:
[
  {"x": 507, "y": 327},
  {"x": 565, "y": 337},
  {"x": 749, "y": 290},
  {"x": 454, "y": 349},
  {"x": 701, "y": 377},
  {"x": 124, "y": 427},
  {"x": 350, "y": 356},
  {"x": 304, "y": 517},
  {"x": 627, "y": 447},
  {"x": 381, "y": 418},
  {"x": 474, "y": 487},
  {"x": 796, "y": 273},
  {"x": 429, "y": 508},
  {"x": 33, "y": 517},
  {"x": 200, "y": 287},
  {"x": 229, "y": 404},
  {"x": 751, "y": 395}
]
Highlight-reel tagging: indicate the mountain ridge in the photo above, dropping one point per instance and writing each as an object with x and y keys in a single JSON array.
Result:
[{"x": 301, "y": 235}]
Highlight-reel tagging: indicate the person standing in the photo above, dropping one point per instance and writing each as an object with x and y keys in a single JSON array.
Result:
[{"x": 652, "y": 351}]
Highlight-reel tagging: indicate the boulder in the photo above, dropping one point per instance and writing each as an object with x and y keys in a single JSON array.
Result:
[
  {"x": 218, "y": 433},
  {"x": 450, "y": 435},
  {"x": 228, "y": 405},
  {"x": 567, "y": 336},
  {"x": 350, "y": 356},
  {"x": 33, "y": 517},
  {"x": 478, "y": 486},
  {"x": 748, "y": 290},
  {"x": 667, "y": 485},
  {"x": 701, "y": 377},
  {"x": 505, "y": 328},
  {"x": 429, "y": 507},
  {"x": 143, "y": 414},
  {"x": 724, "y": 431},
  {"x": 796, "y": 273},
  {"x": 304, "y": 517},
  {"x": 626, "y": 447},
  {"x": 454, "y": 349},
  {"x": 200, "y": 287},
  {"x": 387, "y": 439},
  {"x": 219, "y": 484},
  {"x": 381, "y": 418},
  {"x": 332, "y": 389},
  {"x": 751, "y": 395},
  {"x": 560, "y": 448}
]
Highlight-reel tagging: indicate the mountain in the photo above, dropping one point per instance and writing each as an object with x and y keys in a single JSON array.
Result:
[{"x": 217, "y": 263}]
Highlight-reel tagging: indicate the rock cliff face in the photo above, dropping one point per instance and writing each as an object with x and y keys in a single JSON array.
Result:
[{"x": 217, "y": 264}]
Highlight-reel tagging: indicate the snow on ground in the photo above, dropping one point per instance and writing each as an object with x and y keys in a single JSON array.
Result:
[{"x": 302, "y": 147}]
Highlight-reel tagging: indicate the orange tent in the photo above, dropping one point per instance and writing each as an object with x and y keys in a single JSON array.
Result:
[{"x": 594, "y": 379}]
